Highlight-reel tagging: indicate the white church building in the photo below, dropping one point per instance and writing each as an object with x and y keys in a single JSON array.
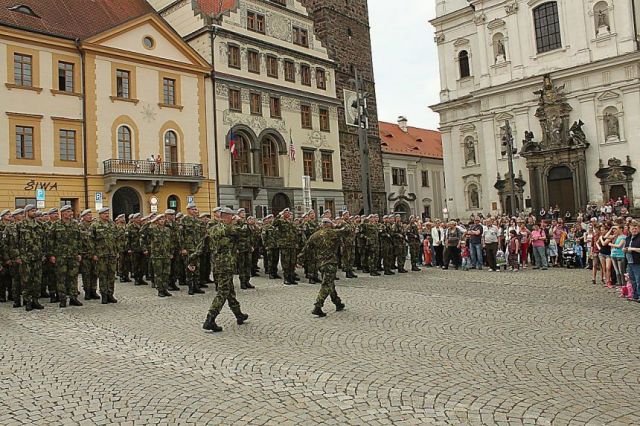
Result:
[{"x": 565, "y": 77}]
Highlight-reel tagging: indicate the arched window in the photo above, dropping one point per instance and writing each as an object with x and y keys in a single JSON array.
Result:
[
  {"x": 170, "y": 147},
  {"x": 124, "y": 143},
  {"x": 269, "y": 158},
  {"x": 473, "y": 196},
  {"x": 547, "y": 24},
  {"x": 601, "y": 17},
  {"x": 463, "y": 63},
  {"x": 242, "y": 163}
]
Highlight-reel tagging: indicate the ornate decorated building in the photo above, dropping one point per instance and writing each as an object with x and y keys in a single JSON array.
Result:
[
  {"x": 565, "y": 77},
  {"x": 275, "y": 101}
]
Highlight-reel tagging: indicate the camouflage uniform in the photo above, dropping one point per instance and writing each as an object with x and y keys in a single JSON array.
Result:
[
  {"x": 348, "y": 246},
  {"x": 105, "y": 247},
  {"x": 256, "y": 239},
  {"x": 399, "y": 246},
  {"x": 27, "y": 244},
  {"x": 5, "y": 266},
  {"x": 386, "y": 248},
  {"x": 243, "y": 255},
  {"x": 87, "y": 265},
  {"x": 123, "y": 252},
  {"x": 176, "y": 263},
  {"x": 371, "y": 233},
  {"x": 48, "y": 270},
  {"x": 9, "y": 236},
  {"x": 66, "y": 244},
  {"x": 132, "y": 234},
  {"x": 413, "y": 235},
  {"x": 287, "y": 239},
  {"x": 157, "y": 242},
  {"x": 272, "y": 254},
  {"x": 310, "y": 268},
  {"x": 192, "y": 232},
  {"x": 361, "y": 243}
]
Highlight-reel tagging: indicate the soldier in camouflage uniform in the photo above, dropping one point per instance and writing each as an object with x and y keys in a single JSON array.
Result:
[
  {"x": 174, "y": 231},
  {"x": 205, "y": 265},
  {"x": 9, "y": 236},
  {"x": 49, "y": 270},
  {"x": 256, "y": 241},
  {"x": 413, "y": 236},
  {"x": 244, "y": 247},
  {"x": 309, "y": 227},
  {"x": 157, "y": 243},
  {"x": 322, "y": 245},
  {"x": 27, "y": 251},
  {"x": 287, "y": 240},
  {"x": 132, "y": 234},
  {"x": 6, "y": 290},
  {"x": 192, "y": 231},
  {"x": 123, "y": 249},
  {"x": 348, "y": 245},
  {"x": 104, "y": 251},
  {"x": 372, "y": 236},
  {"x": 361, "y": 243},
  {"x": 272, "y": 254},
  {"x": 386, "y": 245},
  {"x": 87, "y": 264},
  {"x": 220, "y": 240},
  {"x": 399, "y": 244},
  {"x": 65, "y": 239}
]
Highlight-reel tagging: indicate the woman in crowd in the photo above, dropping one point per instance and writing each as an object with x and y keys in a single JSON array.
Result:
[
  {"x": 605, "y": 253},
  {"x": 525, "y": 236},
  {"x": 538, "y": 237},
  {"x": 427, "y": 250},
  {"x": 490, "y": 238},
  {"x": 617, "y": 255}
]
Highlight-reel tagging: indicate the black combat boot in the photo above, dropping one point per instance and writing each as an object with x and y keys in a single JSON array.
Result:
[
  {"x": 140, "y": 282},
  {"x": 401, "y": 270},
  {"x": 36, "y": 305},
  {"x": 374, "y": 274},
  {"x": 28, "y": 306},
  {"x": 350, "y": 274},
  {"x": 210, "y": 323},
  {"x": 277, "y": 276},
  {"x": 16, "y": 302},
  {"x": 318, "y": 311},
  {"x": 203, "y": 285},
  {"x": 173, "y": 287},
  {"x": 273, "y": 277},
  {"x": 94, "y": 295},
  {"x": 191, "y": 291},
  {"x": 161, "y": 293},
  {"x": 111, "y": 299},
  {"x": 248, "y": 286},
  {"x": 63, "y": 303},
  {"x": 105, "y": 299},
  {"x": 415, "y": 268},
  {"x": 243, "y": 286},
  {"x": 73, "y": 301},
  {"x": 316, "y": 279},
  {"x": 241, "y": 318},
  {"x": 125, "y": 279},
  {"x": 389, "y": 272},
  {"x": 44, "y": 294},
  {"x": 197, "y": 289},
  {"x": 339, "y": 306},
  {"x": 3, "y": 299},
  {"x": 166, "y": 293}
]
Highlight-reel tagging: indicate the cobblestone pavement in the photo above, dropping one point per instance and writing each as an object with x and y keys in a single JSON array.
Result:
[{"x": 447, "y": 347}]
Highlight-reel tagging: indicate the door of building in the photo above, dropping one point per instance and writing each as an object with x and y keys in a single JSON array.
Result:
[
  {"x": 617, "y": 191},
  {"x": 125, "y": 200},
  {"x": 279, "y": 203},
  {"x": 560, "y": 187}
]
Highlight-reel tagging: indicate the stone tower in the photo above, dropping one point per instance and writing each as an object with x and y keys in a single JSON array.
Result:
[{"x": 343, "y": 27}]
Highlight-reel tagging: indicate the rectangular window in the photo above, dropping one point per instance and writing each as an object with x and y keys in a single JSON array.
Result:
[
  {"x": 300, "y": 37},
  {"x": 256, "y": 103},
  {"x": 305, "y": 116},
  {"x": 547, "y": 24},
  {"x": 254, "y": 61},
  {"x": 65, "y": 77},
  {"x": 122, "y": 83},
  {"x": 67, "y": 145},
  {"x": 399, "y": 176},
  {"x": 24, "y": 143},
  {"x": 235, "y": 102},
  {"x": 330, "y": 205},
  {"x": 274, "y": 104},
  {"x": 73, "y": 202},
  {"x": 169, "y": 91},
  {"x": 290, "y": 71},
  {"x": 255, "y": 22},
  {"x": 324, "y": 120},
  {"x": 22, "y": 70},
  {"x": 21, "y": 202},
  {"x": 272, "y": 66},
  {"x": 305, "y": 74},
  {"x": 234, "y": 56},
  {"x": 327, "y": 167},
  {"x": 425, "y": 178},
  {"x": 308, "y": 164},
  {"x": 321, "y": 79}
]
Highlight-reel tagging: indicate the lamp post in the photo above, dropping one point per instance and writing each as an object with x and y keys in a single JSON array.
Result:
[{"x": 509, "y": 150}]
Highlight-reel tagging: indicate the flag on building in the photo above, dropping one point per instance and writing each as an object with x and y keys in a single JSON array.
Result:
[
  {"x": 232, "y": 145},
  {"x": 292, "y": 149}
]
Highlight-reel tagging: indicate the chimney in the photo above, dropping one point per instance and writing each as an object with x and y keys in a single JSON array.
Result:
[{"x": 402, "y": 123}]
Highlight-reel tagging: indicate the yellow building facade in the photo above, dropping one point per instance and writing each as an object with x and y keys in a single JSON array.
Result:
[{"x": 81, "y": 119}]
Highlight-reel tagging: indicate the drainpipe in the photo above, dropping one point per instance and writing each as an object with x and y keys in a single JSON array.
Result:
[
  {"x": 84, "y": 124},
  {"x": 635, "y": 24},
  {"x": 213, "y": 32}
]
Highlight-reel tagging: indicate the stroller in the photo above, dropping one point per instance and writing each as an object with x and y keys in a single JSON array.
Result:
[{"x": 569, "y": 253}]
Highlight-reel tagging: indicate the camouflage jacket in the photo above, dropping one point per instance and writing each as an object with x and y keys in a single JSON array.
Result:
[
  {"x": 321, "y": 246},
  {"x": 245, "y": 237},
  {"x": 85, "y": 233},
  {"x": 103, "y": 239},
  {"x": 175, "y": 235},
  {"x": 398, "y": 234},
  {"x": 192, "y": 232},
  {"x": 413, "y": 234},
  {"x": 26, "y": 241},
  {"x": 349, "y": 234},
  {"x": 286, "y": 233},
  {"x": 121, "y": 237},
  {"x": 309, "y": 228},
  {"x": 269, "y": 237},
  {"x": 132, "y": 234},
  {"x": 157, "y": 242},
  {"x": 220, "y": 242},
  {"x": 65, "y": 239}
]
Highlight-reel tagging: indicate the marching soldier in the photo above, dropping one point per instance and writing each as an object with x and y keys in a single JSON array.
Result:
[
  {"x": 65, "y": 240},
  {"x": 221, "y": 239},
  {"x": 104, "y": 251},
  {"x": 87, "y": 264}
]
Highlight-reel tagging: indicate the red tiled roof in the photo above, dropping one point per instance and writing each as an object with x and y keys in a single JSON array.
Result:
[
  {"x": 72, "y": 18},
  {"x": 213, "y": 7},
  {"x": 416, "y": 142}
]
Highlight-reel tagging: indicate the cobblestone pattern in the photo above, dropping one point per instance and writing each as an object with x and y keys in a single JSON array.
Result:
[{"x": 436, "y": 347}]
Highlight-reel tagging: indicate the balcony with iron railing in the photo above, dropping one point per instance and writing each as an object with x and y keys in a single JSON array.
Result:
[{"x": 154, "y": 174}]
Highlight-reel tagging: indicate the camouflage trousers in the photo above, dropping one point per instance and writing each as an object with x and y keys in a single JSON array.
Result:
[
  {"x": 226, "y": 293},
  {"x": 161, "y": 272},
  {"x": 176, "y": 268},
  {"x": 244, "y": 266},
  {"x": 205, "y": 268},
  {"x": 30, "y": 278},
  {"x": 106, "y": 272},
  {"x": 255, "y": 257},
  {"x": 124, "y": 264},
  {"x": 49, "y": 278},
  {"x": 138, "y": 265},
  {"x": 288, "y": 261},
  {"x": 310, "y": 267},
  {"x": 400, "y": 254},
  {"x": 386, "y": 252},
  {"x": 6, "y": 282},
  {"x": 89, "y": 274},
  {"x": 66, "y": 271},
  {"x": 271, "y": 258},
  {"x": 347, "y": 252},
  {"x": 414, "y": 251},
  {"x": 193, "y": 278},
  {"x": 373, "y": 257},
  {"x": 328, "y": 287}
]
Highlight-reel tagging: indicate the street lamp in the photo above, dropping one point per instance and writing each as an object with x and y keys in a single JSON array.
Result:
[{"x": 508, "y": 149}]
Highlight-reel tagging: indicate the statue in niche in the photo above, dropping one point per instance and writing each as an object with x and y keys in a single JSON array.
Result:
[
  {"x": 556, "y": 129},
  {"x": 469, "y": 152},
  {"x": 611, "y": 126},
  {"x": 474, "y": 197},
  {"x": 602, "y": 20},
  {"x": 501, "y": 54}
]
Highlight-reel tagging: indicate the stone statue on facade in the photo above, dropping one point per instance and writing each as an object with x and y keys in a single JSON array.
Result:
[
  {"x": 501, "y": 54},
  {"x": 553, "y": 113},
  {"x": 469, "y": 152},
  {"x": 576, "y": 134},
  {"x": 611, "y": 125}
]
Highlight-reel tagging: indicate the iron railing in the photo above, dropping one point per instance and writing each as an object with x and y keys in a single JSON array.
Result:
[{"x": 150, "y": 168}]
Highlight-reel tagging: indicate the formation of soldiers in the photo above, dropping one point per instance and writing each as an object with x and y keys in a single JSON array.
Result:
[{"x": 42, "y": 254}]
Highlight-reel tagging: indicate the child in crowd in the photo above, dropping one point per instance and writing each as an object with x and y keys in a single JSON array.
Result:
[
  {"x": 579, "y": 252},
  {"x": 501, "y": 261},
  {"x": 514, "y": 250},
  {"x": 553, "y": 251},
  {"x": 466, "y": 256}
]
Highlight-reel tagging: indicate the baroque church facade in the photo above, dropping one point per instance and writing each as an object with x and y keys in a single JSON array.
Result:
[{"x": 563, "y": 78}]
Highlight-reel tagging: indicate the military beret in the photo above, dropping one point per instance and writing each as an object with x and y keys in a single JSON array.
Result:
[
  {"x": 17, "y": 212},
  {"x": 191, "y": 206},
  {"x": 345, "y": 212},
  {"x": 53, "y": 211},
  {"x": 3, "y": 213},
  {"x": 65, "y": 208},
  {"x": 241, "y": 210},
  {"x": 29, "y": 207},
  {"x": 227, "y": 210},
  {"x": 397, "y": 215},
  {"x": 310, "y": 211},
  {"x": 160, "y": 216},
  {"x": 269, "y": 216},
  {"x": 285, "y": 211},
  {"x": 120, "y": 216},
  {"x": 39, "y": 213},
  {"x": 326, "y": 220},
  {"x": 85, "y": 212},
  {"x": 131, "y": 216},
  {"x": 179, "y": 215},
  {"x": 103, "y": 210},
  {"x": 170, "y": 211},
  {"x": 204, "y": 215},
  {"x": 217, "y": 209},
  {"x": 327, "y": 211}
]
